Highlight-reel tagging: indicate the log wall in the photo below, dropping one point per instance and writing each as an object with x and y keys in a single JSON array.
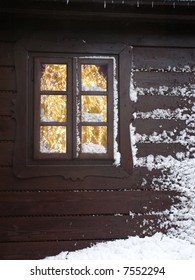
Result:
[{"x": 44, "y": 216}]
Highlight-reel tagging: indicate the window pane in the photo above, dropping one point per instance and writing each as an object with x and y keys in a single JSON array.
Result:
[
  {"x": 53, "y": 77},
  {"x": 53, "y": 108},
  {"x": 94, "y": 77},
  {"x": 94, "y": 108},
  {"x": 94, "y": 139},
  {"x": 53, "y": 139}
]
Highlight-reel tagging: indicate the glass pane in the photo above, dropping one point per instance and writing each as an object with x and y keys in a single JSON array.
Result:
[
  {"x": 94, "y": 139},
  {"x": 53, "y": 139},
  {"x": 94, "y": 77},
  {"x": 53, "y": 108},
  {"x": 53, "y": 77},
  {"x": 94, "y": 108}
]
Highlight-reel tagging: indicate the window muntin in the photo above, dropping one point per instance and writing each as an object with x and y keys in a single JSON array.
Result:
[
  {"x": 28, "y": 162},
  {"x": 75, "y": 104}
]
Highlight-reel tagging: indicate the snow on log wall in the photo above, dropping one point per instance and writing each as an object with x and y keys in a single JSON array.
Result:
[
  {"x": 42, "y": 216},
  {"x": 163, "y": 93}
]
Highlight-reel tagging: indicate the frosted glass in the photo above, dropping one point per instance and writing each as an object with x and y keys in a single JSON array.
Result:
[
  {"x": 53, "y": 139},
  {"x": 94, "y": 139},
  {"x": 53, "y": 108},
  {"x": 94, "y": 77},
  {"x": 94, "y": 108},
  {"x": 53, "y": 77}
]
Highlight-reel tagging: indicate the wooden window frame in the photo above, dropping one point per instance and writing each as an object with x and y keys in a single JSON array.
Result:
[
  {"x": 110, "y": 111},
  {"x": 72, "y": 93},
  {"x": 25, "y": 163},
  {"x": 36, "y": 61}
]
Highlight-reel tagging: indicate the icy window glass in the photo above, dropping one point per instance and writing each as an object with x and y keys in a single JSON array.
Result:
[
  {"x": 94, "y": 108},
  {"x": 53, "y": 108},
  {"x": 94, "y": 139},
  {"x": 53, "y": 77},
  {"x": 53, "y": 139},
  {"x": 94, "y": 77}
]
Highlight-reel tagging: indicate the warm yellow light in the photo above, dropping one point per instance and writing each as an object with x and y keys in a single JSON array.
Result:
[
  {"x": 95, "y": 135},
  {"x": 53, "y": 77},
  {"x": 53, "y": 107},
  {"x": 93, "y": 78},
  {"x": 53, "y": 139},
  {"x": 94, "y": 104}
]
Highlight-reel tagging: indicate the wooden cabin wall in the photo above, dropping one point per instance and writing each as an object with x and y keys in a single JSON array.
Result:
[{"x": 44, "y": 216}]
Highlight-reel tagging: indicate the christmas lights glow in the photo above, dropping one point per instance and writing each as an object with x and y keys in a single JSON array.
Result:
[{"x": 54, "y": 107}]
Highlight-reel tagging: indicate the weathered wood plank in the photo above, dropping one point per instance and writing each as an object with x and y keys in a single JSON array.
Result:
[
  {"x": 7, "y": 128},
  {"x": 83, "y": 203},
  {"x": 162, "y": 58},
  {"x": 6, "y": 152},
  {"x": 7, "y": 78},
  {"x": 39, "y": 250},
  {"x": 149, "y": 126},
  {"x": 164, "y": 149},
  {"x": 152, "y": 102},
  {"x": 7, "y": 32},
  {"x": 157, "y": 79},
  {"x": 76, "y": 227},
  {"x": 10, "y": 182},
  {"x": 6, "y": 102},
  {"x": 6, "y": 54}
]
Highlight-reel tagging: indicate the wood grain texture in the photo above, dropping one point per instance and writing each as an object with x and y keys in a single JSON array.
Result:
[
  {"x": 7, "y": 78},
  {"x": 76, "y": 227},
  {"x": 10, "y": 182},
  {"x": 163, "y": 149},
  {"x": 43, "y": 216},
  {"x": 7, "y": 129},
  {"x": 83, "y": 203},
  {"x": 151, "y": 102},
  {"x": 6, "y": 54},
  {"x": 39, "y": 250},
  {"x": 162, "y": 58},
  {"x": 6, "y": 153},
  {"x": 149, "y": 126},
  {"x": 6, "y": 105},
  {"x": 157, "y": 79}
]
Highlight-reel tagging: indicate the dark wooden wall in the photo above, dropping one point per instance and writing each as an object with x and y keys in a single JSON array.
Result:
[{"x": 44, "y": 216}]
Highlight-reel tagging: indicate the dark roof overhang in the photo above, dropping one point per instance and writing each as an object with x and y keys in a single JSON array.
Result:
[{"x": 142, "y": 10}]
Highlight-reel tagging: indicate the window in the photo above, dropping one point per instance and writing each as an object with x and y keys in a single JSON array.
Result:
[{"x": 76, "y": 110}]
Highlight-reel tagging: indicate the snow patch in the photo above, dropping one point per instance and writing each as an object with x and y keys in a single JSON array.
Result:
[
  {"x": 93, "y": 149},
  {"x": 133, "y": 90},
  {"x": 157, "y": 247}
]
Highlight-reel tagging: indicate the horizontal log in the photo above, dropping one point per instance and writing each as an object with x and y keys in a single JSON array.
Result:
[
  {"x": 76, "y": 227},
  {"x": 6, "y": 153},
  {"x": 6, "y": 105},
  {"x": 83, "y": 203},
  {"x": 163, "y": 149},
  {"x": 7, "y": 78},
  {"x": 151, "y": 102},
  {"x": 162, "y": 58},
  {"x": 6, "y": 33},
  {"x": 10, "y": 182},
  {"x": 7, "y": 129},
  {"x": 6, "y": 54},
  {"x": 157, "y": 79},
  {"x": 149, "y": 126},
  {"x": 40, "y": 250}
]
